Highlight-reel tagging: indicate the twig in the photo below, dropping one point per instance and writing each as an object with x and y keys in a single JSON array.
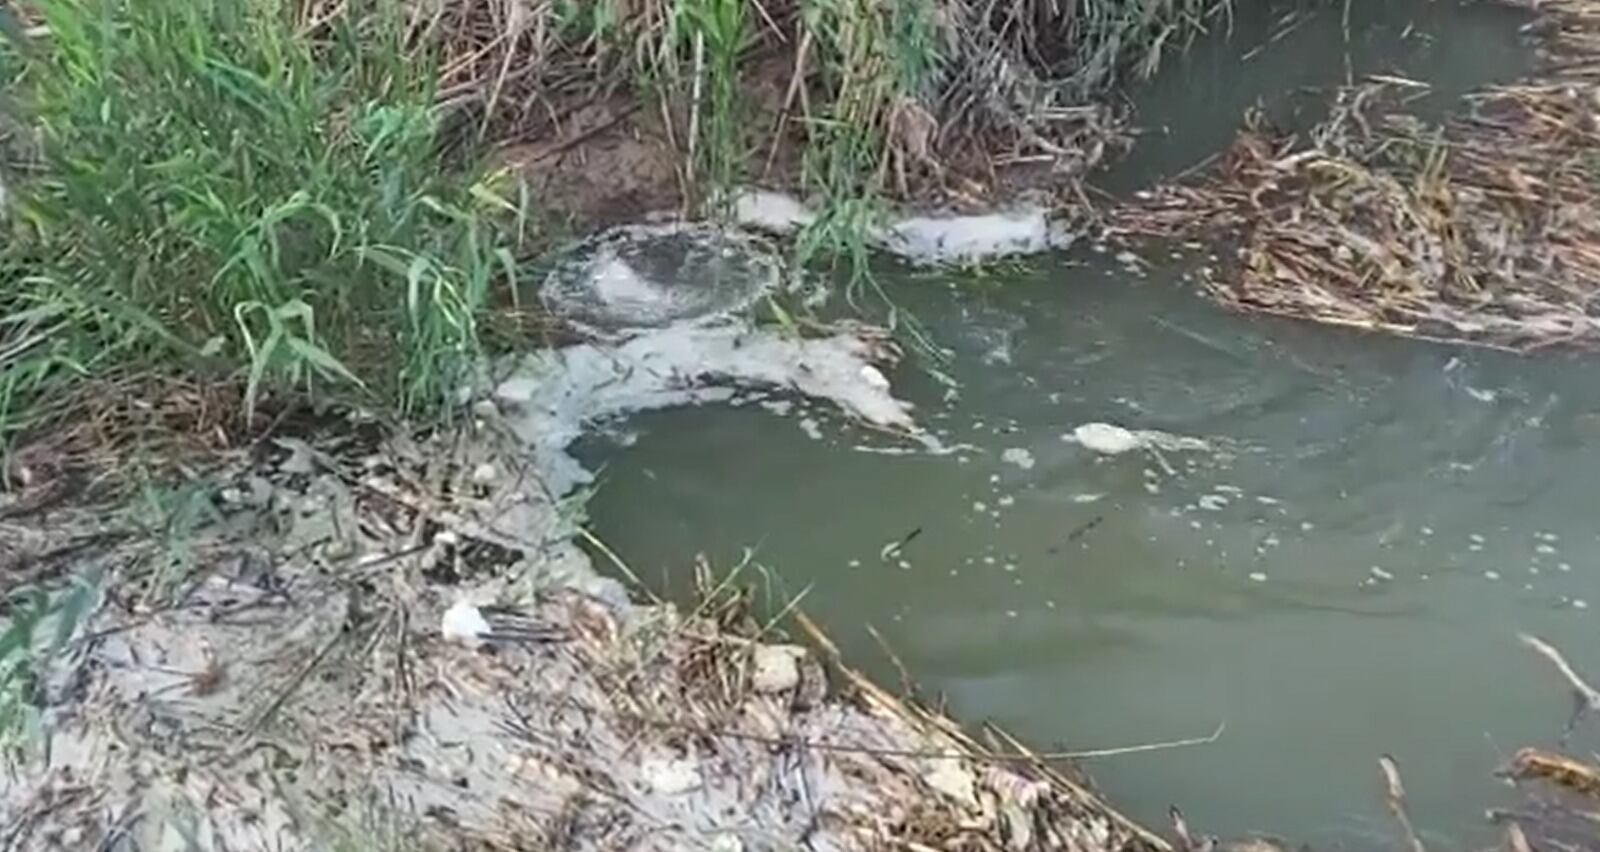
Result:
[
  {"x": 1395, "y": 797},
  {"x": 906, "y": 684},
  {"x": 1585, "y": 697}
]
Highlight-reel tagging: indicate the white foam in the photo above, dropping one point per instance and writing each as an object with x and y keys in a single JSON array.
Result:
[
  {"x": 551, "y": 397},
  {"x": 921, "y": 239}
]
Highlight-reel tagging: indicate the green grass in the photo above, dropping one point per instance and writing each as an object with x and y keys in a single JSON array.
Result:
[{"x": 207, "y": 188}]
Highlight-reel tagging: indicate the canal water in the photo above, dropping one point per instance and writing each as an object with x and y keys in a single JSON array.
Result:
[{"x": 1340, "y": 573}]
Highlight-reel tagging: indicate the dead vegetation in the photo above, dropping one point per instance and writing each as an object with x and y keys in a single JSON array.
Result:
[
  {"x": 617, "y": 108},
  {"x": 1484, "y": 231}
]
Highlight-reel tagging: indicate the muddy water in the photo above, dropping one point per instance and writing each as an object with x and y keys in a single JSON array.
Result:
[{"x": 1341, "y": 575}]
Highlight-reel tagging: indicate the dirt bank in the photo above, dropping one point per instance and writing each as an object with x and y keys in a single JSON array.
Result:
[{"x": 291, "y": 663}]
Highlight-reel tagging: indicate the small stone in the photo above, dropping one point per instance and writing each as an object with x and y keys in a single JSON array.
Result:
[
  {"x": 776, "y": 668},
  {"x": 464, "y": 623},
  {"x": 484, "y": 474},
  {"x": 949, "y": 777},
  {"x": 671, "y": 777},
  {"x": 1258, "y": 576},
  {"x": 1491, "y": 575},
  {"x": 1380, "y": 574},
  {"x": 1580, "y": 603}
]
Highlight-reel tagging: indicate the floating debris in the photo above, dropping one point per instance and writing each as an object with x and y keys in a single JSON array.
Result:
[
  {"x": 1481, "y": 231},
  {"x": 1018, "y": 456},
  {"x": 1110, "y": 439}
]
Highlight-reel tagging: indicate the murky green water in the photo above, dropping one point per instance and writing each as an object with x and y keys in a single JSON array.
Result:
[{"x": 1345, "y": 576}]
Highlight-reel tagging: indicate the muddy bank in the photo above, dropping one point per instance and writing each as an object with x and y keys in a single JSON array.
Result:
[{"x": 300, "y": 678}]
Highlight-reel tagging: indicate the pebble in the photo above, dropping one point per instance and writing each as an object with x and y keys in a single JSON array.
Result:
[
  {"x": 1258, "y": 577},
  {"x": 1381, "y": 574},
  {"x": 776, "y": 668},
  {"x": 1580, "y": 603},
  {"x": 1491, "y": 575},
  {"x": 1212, "y": 502},
  {"x": 1544, "y": 549}
]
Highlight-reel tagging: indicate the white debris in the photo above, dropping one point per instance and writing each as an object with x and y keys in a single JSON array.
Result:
[
  {"x": 1212, "y": 502},
  {"x": 873, "y": 377},
  {"x": 1087, "y": 498},
  {"x": 1104, "y": 438},
  {"x": 1019, "y": 457},
  {"x": 671, "y": 777},
  {"x": 776, "y": 668},
  {"x": 1491, "y": 575},
  {"x": 464, "y": 623},
  {"x": 1110, "y": 439},
  {"x": 1580, "y": 603},
  {"x": 1380, "y": 574},
  {"x": 949, "y": 777},
  {"x": 1258, "y": 576},
  {"x": 926, "y": 239},
  {"x": 773, "y": 212},
  {"x": 552, "y": 397},
  {"x": 966, "y": 239}
]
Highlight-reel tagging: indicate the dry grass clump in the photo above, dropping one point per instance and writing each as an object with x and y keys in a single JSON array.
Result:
[
  {"x": 878, "y": 94},
  {"x": 1485, "y": 230}
]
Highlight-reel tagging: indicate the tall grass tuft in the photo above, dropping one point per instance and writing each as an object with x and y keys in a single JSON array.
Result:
[{"x": 207, "y": 187}]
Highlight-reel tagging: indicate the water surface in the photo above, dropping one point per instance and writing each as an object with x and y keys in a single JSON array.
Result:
[{"x": 1343, "y": 575}]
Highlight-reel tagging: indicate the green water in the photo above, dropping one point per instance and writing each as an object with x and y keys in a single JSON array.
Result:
[{"x": 1344, "y": 577}]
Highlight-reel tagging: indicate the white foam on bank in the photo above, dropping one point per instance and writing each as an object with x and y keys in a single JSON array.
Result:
[
  {"x": 551, "y": 397},
  {"x": 921, "y": 239}
]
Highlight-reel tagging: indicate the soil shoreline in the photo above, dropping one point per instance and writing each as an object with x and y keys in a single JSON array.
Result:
[{"x": 298, "y": 682}]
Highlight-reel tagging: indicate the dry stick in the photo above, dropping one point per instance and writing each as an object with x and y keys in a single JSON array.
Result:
[
  {"x": 694, "y": 108},
  {"x": 906, "y": 684},
  {"x": 1395, "y": 797},
  {"x": 1585, "y": 697},
  {"x": 1516, "y": 840},
  {"x": 796, "y": 81}
]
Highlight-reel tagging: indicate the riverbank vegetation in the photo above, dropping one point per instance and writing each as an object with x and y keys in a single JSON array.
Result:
[
  {"x": 266, "y": 196},
  {"x": 1484, "y": 230}
]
